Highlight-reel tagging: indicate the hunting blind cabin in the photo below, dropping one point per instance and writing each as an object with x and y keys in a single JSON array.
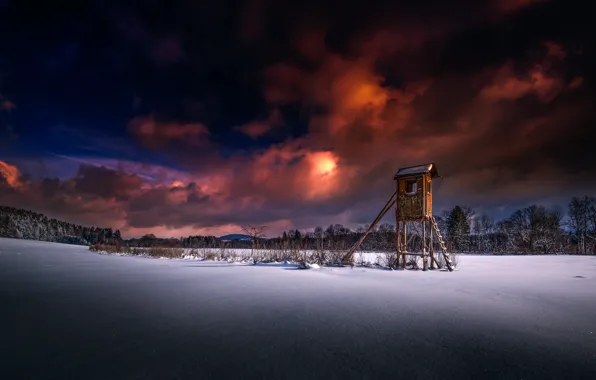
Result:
[{"x": 413, "y": 212}]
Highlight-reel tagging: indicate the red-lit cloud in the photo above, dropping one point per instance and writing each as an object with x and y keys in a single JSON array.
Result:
[
  {"x": 154, "y": 133},
  {"x": 349, "y": 91},
  {"x": 541, "y": 80},
  {"x": 257, "y": 128},
  {"x": 507, "y": 86},
  {"x": 10, "y": 175}
]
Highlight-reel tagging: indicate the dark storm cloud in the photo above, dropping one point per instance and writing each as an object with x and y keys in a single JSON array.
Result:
[
  {"x": 62, "y": 199},
  {"x": 162, "y": 45},
  {"x": 106, "y": 183},
  {"x": 157, "y": 134}
]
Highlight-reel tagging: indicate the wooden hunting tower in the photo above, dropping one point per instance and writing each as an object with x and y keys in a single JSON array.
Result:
[{"x": 413, "y": 198}]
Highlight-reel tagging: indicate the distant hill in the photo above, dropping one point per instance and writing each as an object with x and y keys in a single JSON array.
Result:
[{"x": 234, "y": 237}]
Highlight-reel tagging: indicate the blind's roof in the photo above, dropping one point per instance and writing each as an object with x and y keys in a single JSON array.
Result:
[{"x": 418, "y": 169}]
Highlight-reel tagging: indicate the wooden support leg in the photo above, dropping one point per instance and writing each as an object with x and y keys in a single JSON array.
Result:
[
  {"x": 431, "y": 247},
  {"x": 398, "y": 235},
  {"x": 404, "y": 248},
  {"x": 424, "y": 261}
]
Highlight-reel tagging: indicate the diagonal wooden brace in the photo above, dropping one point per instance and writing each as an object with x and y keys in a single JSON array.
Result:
[{"x": 349, "y": 256}]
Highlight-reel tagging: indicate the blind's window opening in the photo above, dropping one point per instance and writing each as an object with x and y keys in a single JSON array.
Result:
[{"x": 411, "y": 186}]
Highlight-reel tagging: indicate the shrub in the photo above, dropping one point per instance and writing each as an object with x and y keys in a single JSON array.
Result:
[
  {"x": 170, "y": 253},
  {"x": 151, "y": 251},
  {"x": 413, "y": 262},
  {"x": 389, "y": 259},
  {"x": 109, "y": 248}
]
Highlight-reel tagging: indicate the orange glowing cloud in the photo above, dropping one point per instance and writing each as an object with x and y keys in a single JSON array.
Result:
[
  {"x": 541, "y": 80},
  {"x": 323, "y": 163},
  {"x": 290, "y": 172},
  {"x": 323, "y": 175},
  {"x": 177, "y": 183},
  {"x": 359, "y": 118},
  {"x": 508, "y": 86},
  {"x": 11, "y": 175},
  {"x": 271, "y": 164},
  {"x": 351, "y": 90},
  {"x": 348, "y": 89}
]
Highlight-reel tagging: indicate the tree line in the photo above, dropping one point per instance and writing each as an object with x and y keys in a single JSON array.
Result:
[
  {"x": 534, "y": 229},
  {"x": 25, "y": 224},
  {"x": 530, "y": 230}
]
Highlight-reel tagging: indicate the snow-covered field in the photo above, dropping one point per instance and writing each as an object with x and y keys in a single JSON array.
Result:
[{"x": 70, "y": 313}]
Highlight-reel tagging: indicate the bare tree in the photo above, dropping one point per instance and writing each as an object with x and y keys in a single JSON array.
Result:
[
  {"x": 256, "y": 233},
  {"x": 582, "y": 220},
  {"x": 532, "y": 229},
  {"x": 483, "y": 229}
]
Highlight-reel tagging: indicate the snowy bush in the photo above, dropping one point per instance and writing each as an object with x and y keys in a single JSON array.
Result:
[
  {"x": 413, "y": 262},
  {"x": 388, "y": 259},
  {"x": 170, "y": 253},
  {"x": 109, "y": 248}
]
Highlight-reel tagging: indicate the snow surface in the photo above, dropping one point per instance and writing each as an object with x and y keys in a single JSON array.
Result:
[
  {"x": 70, "y": 313},
  {"x": 414, "y": 170}
]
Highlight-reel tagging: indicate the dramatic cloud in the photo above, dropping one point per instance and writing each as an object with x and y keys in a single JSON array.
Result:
[
  {"x": 538, "y": 81},
  {"x": 106, "y": 183},
  {"x": 258, "y": 128},
  {"x": 59, "y": 199},
  {"x": 495, "y": 92},
  {"x": 10, "y": 175},
  {"x": 507, "y": 86},
  {"x": 156, "y": 134},
  {"x": 162, "y": 47},
  {"x": 345, "y": 96}
]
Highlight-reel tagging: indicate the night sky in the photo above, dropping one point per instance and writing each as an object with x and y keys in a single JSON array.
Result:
[{"x": 195, "y": 117}]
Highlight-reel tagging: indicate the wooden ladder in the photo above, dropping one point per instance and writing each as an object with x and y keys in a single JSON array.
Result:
[{"x": 442, "y": 243}]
